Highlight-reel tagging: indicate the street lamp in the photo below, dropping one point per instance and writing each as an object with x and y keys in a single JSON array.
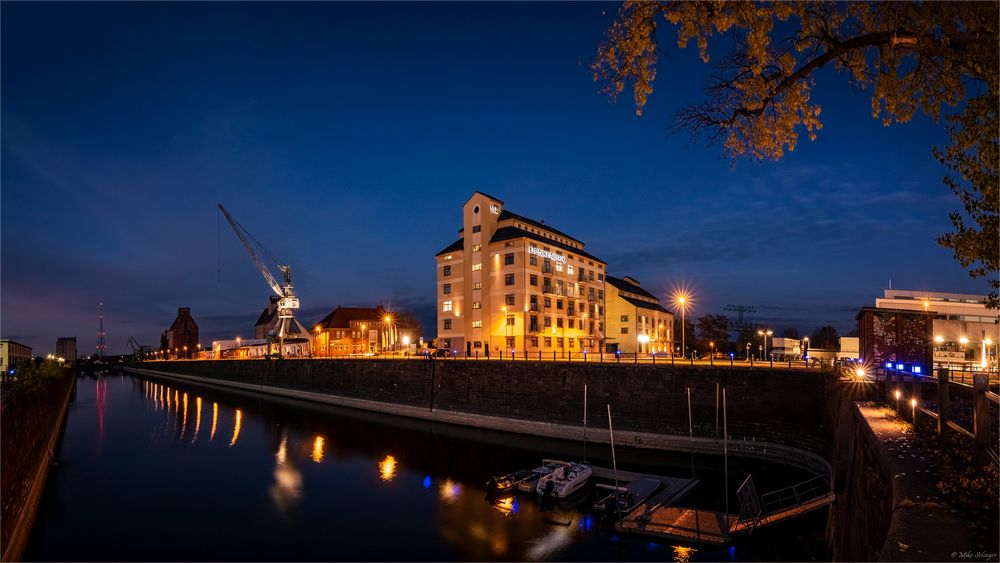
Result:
[
  {"x": 763, "y": 337},
  {"x": 682, "y": 303},
  {"x": 711, "y": 353},
  {"x": 388, "y": 332},
  {"x": 805, "y": 352}
]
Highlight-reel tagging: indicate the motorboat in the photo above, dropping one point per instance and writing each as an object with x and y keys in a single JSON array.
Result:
[
  {"x": 546, "y": 468},
  {"x": 565, "y": 480}
]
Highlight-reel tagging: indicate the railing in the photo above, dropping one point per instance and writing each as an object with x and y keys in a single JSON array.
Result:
[
  {"x": 905, "y": 391},
  {"x": 795, "y": 495}
]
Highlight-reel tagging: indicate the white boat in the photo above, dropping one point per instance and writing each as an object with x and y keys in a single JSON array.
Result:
[
  {"x": 547, "y": 467},
  {"x": 565, "y": 480}
]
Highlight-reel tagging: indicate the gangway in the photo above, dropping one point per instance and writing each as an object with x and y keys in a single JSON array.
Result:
[{"x": 717, "y": 528}]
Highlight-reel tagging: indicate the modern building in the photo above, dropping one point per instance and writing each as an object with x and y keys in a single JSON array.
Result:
[
  {"x": 636, "y": 320},
  {"x": 897, "y": 336},
  {"x": 66, "y": 348},
  {"x": 182, "y": 336},
  {"x": 965, "y": 332},
  {"x": 783, "y": 349},
  {"x": 351, "y": 331},
  {"x": 13, "y": 355},
  {"x": 517, "y": 285}
]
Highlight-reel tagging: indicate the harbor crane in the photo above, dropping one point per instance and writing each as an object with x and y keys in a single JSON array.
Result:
[{"x": 284, "y": 323}]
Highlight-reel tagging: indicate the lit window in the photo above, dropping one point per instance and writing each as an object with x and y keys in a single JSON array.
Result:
[
  {"x": 448, "y": 257},
  {"x": 477, "y": 247},
  {"x": 624, "y": 318},
  {"x": 447, "y": 306},
  {"x": 569, "y": 269},
  {"x": 477, "y": 305},
  {"x": 476, "y": 267},
  {"x": 477, "y": 324},
  {"x": 559, "y": 266},
  {"x": 477, "y": 285}
]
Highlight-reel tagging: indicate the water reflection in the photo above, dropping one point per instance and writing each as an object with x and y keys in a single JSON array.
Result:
[
  {"x": 387, "y": 468},
  {"x": 197, "y": 419},
  {"x": 683, "y": 554},
  {"x": 287, "y": 488},
  {"x": 317, "y": 453},
  {"x": 450, "y": 491},
  {"x": 215, "y": 420},
  {"x": 184, "y": 423},
  {"x": 236, "y": 427}
]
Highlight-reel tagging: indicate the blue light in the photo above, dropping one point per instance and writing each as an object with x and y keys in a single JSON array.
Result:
[
  {"x": 888, "y": 365},
  {"x": 899, "y": 366},
  {"x": 732, "y": 552},
  {"x": 615, "y": 538},
  {"x": 916, "y": 369},
  {"x": 652, "y": 546},
  {"x": 514, "y": 506},
  {"x": 588, "y": 522},
  {"x": 427, "y": 482},
  {"x": 731, "y": 355}
]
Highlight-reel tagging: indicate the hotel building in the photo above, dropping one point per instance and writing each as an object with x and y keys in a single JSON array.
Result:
[
  {"x": 636, "y": 320},
  {"x": 513, "y": 284}
]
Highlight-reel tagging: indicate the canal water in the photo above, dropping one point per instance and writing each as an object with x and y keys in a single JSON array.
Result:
[{"x": 160, "y": 471}]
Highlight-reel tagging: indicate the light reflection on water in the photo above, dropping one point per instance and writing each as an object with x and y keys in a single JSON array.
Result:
[{"x": 278, "y": 471}]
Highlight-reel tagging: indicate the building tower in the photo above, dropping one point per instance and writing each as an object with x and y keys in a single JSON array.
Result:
[{"x": 101, "y": 345}]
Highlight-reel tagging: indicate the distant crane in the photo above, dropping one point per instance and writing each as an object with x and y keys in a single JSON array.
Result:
[
  {"x": 139, "y": 352},
  {"x": 740, "y": 309},
  {"x": 281, "y": 325}
]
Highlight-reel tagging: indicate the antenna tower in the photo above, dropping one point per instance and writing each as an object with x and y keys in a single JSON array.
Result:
[{"x": 102, "y": 347}]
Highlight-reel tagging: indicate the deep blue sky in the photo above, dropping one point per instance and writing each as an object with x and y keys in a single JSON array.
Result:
[{"x": 346, "y": 138}]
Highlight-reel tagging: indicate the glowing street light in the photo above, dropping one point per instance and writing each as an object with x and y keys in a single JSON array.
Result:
[{"x": 682, "y": 300}]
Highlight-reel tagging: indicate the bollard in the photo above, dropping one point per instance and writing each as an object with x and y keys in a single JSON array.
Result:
[
  {"x": 944, "y": 403},
  {"x": 553, "y": 355},
  {"x": 571, "y": 355},
  {"x": 477, "y": 354},
  {"x": 981, "y": 414},
  {"x": 635, "y": 358},
  {"x": 501, "y": 355}
]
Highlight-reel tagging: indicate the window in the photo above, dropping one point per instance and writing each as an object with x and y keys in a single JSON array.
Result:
[
  {"x": 559, "y": 266},
  {"x": 476, "y": 228},
  {"x": 533, "y": 280},
  {"x": 477, "y": 344},
  {"x": 559, "y": 342},
  {"x": 510, "y": 320},
  {"x": 600, "y": 278},
  {"x": 477, "y": 324},
  {"x": 600, "y": 295},
  {"x": 590, "y": 274},
  {"x": 533, "y": 260},
  {"x": 477, "y": 267},
  {"x": 447, "y": 343},
  {"x": 559, "y": 323},
  {"x": 534, "y": 341},
  {"x": 570, "y": 310},
  {"x": 559, "y": 304},
  {"x": 508, "y": 279},
  {"x": 624, "y": 318},
  {"x": 508, "y": 299},
  {"x": 590, "y": 294},
  {"x": 569, "y": 269},
  {"x": 624, "y": 330},
  {"x": 448, "y": 257},
  {"x": 572, "y": 343},
  {"x": 548, "y": 322},
  {"x": 534, "y": 325},
  {"x": 477, "y": 305},
  {"x": 600, "y": 310},
  {"x": 508, "y": 258},
  {"x": 508, "y": 244},
  {"x": 447, "y": 288},
  {"x": 447, "y": 306},
  {"x": 546, "y": 266},
  {"x": 447, "y": 270},
  {"x": 447, "y": 324},
  {"x": 477, "y": 247},
  {"x": 477, "y": 285},
  {"x": 510, "y": 341},
  {"x": 533, "y": 301},
  {"x": 571, "y": 323},
  {"x": 548, "y": 302},
  {"x": 548, "y": 341}
]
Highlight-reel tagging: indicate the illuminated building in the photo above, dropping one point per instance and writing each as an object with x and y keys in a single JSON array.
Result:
[
  {"x": 356, "y": 330},
  {"x": 636, "y": 320},
  {"x": 964, "y": 332},
  {"x": 183, "y": 333},
  {"x": 13, "y": 355},
  {"x": 66, "y": 348},
  {"x": 513, "y": 284}
]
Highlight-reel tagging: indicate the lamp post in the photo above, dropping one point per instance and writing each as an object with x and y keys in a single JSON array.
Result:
[
  {"x": 805, "y": 351},
  {"x": 711, "y": 353},
  {"x": 682, "y": 302},
  {"x": 388, "y": 333}
]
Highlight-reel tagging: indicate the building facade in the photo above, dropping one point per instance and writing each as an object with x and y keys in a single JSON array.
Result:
[
  {"x": 636, "y": 320},
  {"x": 13, "y": 355},
  {"x": 350, "y": 331},
  {"x": 965, "y": 332},
  {"x": 182, "y": 336},
  {"x": 516, "y": 285},
  {"x": 66, "y": 348}
]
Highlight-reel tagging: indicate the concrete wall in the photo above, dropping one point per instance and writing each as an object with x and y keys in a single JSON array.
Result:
[{"x": 778, "y": 405}]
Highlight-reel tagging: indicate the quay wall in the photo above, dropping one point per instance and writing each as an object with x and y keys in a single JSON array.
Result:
[
  {"x": 780, "y": 406},
  {"x": 30, "y": 424}
]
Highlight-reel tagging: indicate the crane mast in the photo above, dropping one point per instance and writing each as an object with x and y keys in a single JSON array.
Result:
[{"x": 287, "y": 300}]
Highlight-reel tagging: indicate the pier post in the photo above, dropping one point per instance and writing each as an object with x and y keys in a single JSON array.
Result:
[
  {"x": 981, "y": 414},
  {"x": 944, "y": 402}
]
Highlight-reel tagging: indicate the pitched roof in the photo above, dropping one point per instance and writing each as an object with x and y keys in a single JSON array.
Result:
[
  {"x": 508, "y": 215},
  {"x": 485, "y": 194},
  {"x": 457, "y": 245},
  {"x": 625, "y": 285},
  {"x": 268, "y": 313},
  {"x": 341, "y": 317},
  {"x": 646, "y": 305},
  {"x": 507, "y": 233}
]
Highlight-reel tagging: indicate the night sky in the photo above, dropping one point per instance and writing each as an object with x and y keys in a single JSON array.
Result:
[{"x": 347, "y": 137}]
